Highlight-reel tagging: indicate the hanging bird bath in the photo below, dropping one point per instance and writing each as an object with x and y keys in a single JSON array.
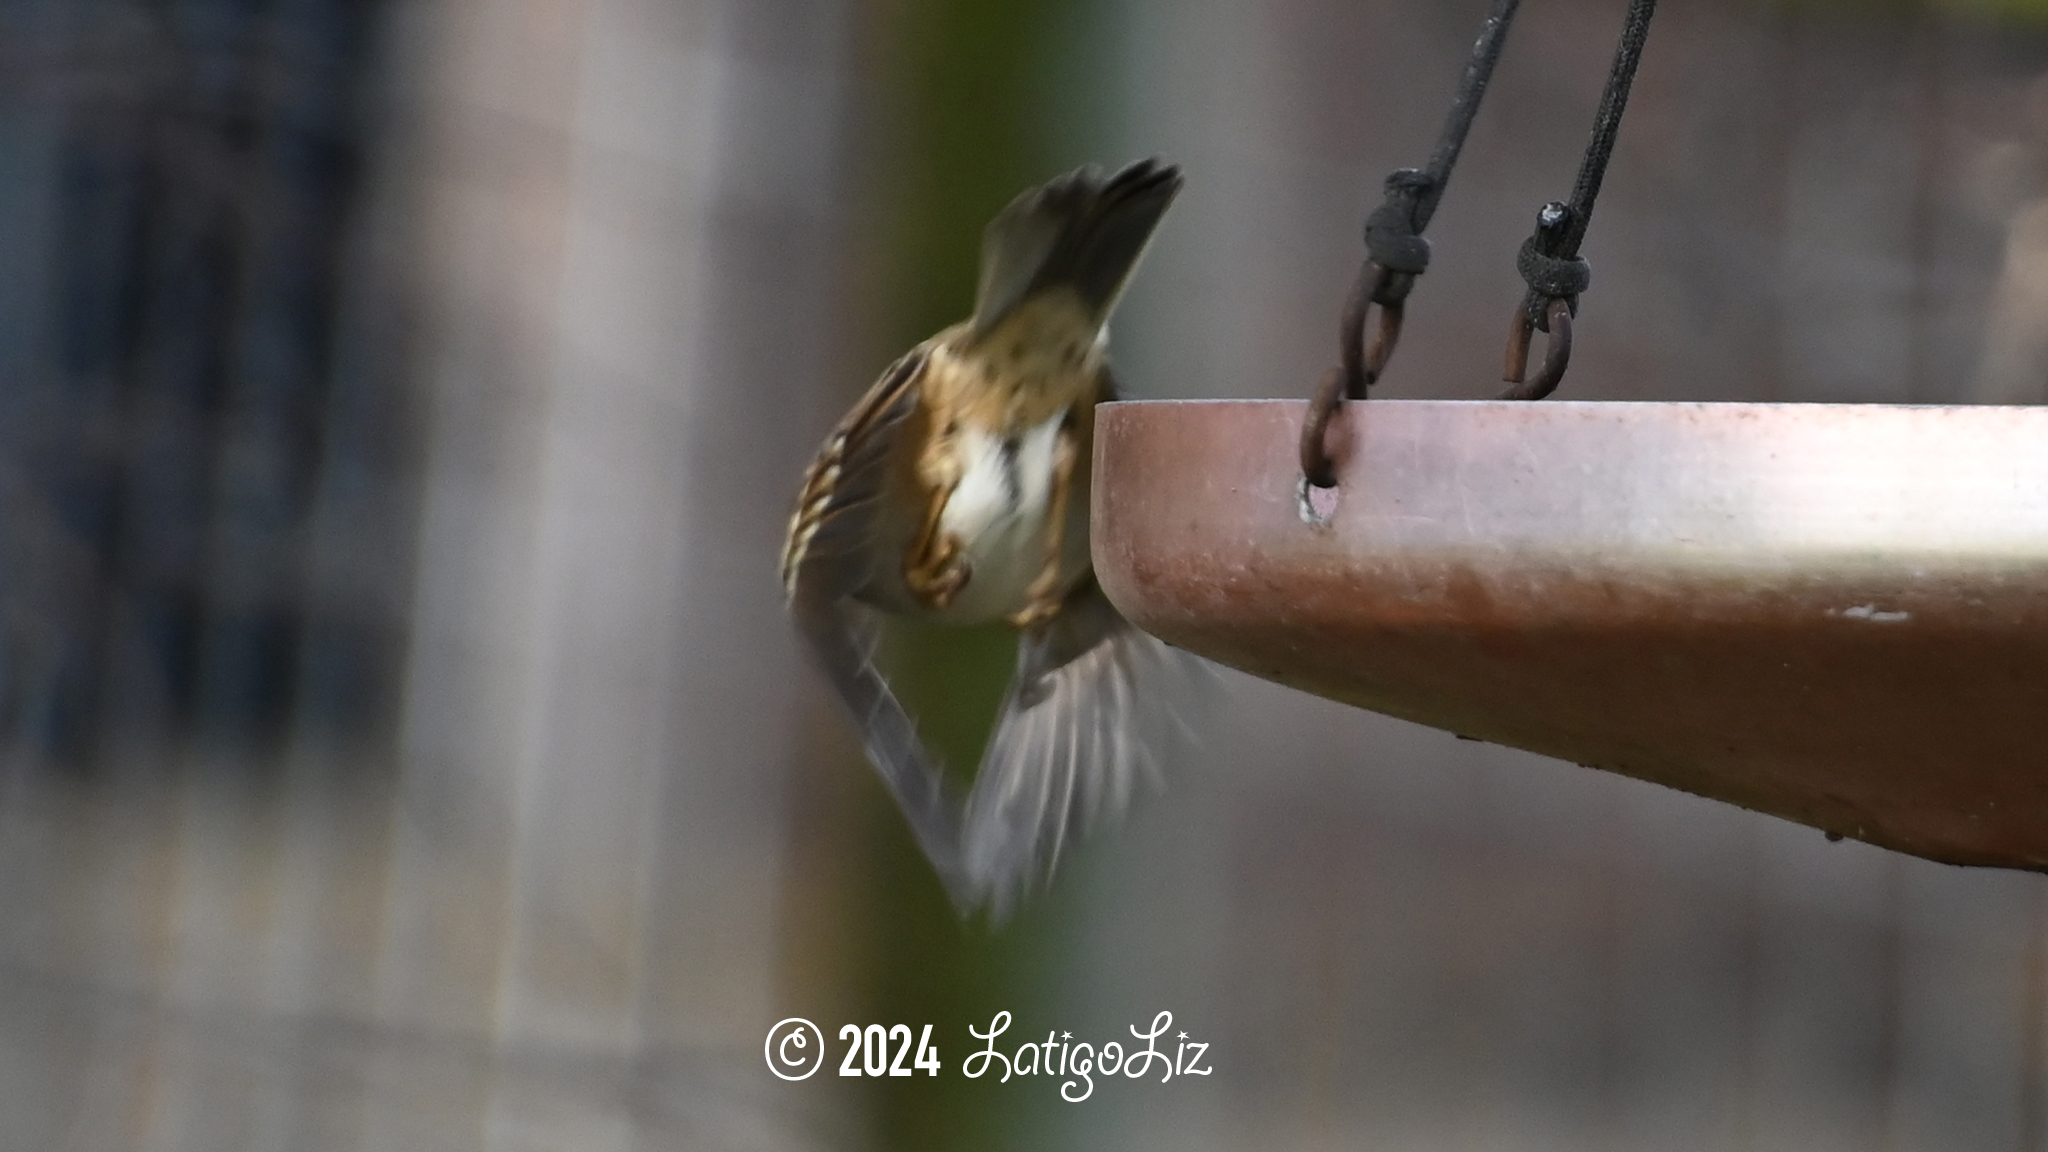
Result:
[{"x": 1836, "y": 614}]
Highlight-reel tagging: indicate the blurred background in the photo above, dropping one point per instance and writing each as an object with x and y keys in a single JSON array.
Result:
[{"x": 400, "y": 406}]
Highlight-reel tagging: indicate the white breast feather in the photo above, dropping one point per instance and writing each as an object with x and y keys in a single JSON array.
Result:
[{"x": 998, "y": 514}]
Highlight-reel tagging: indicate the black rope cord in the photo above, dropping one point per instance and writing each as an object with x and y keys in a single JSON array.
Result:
[
  {"x": 1396, "y": 253},
  {"x": 1549, "y": 261}
]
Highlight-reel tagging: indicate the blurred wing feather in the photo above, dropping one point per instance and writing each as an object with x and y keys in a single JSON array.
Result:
[
  {"x": 826, "y": 561},
  {"x": 841, "y": 637},
  {"x": 1090, "y": 719},
  {"x": 829, "y": 546}
]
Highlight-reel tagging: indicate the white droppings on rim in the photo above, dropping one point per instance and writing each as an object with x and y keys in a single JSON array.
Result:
[
  {"x": 1872, "y": 613},
  {"x": 1315, "y": 504}
]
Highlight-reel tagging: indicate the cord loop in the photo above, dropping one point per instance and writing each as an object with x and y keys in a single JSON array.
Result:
[
  {"x": 1549, "y": 259},
  {"x": 1392, "y": 237},
  {"x": 1396, "y": 254},
  {"x": 1549, "y": 275}
]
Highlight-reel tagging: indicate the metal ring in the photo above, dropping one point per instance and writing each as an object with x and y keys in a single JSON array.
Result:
[
  {"x": 1362, "y": 364},
  {"x": 1557, "y": 353},
  {"x": 1384, "y": 338},
  {"x": 1351, "y": 329},
  {"x": 1360, "y": 368},
  {"x": 1316, "y": 464}
]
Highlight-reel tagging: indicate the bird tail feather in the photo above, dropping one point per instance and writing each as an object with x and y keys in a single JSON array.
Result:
[{"x": 1080, "y": 231}]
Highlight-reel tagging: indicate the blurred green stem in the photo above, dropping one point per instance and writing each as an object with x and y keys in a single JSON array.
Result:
[{"x": 959, "y": 86}]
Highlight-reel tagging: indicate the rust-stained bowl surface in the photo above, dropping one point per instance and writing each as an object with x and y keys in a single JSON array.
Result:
[{"x": 1837, "y": 614}]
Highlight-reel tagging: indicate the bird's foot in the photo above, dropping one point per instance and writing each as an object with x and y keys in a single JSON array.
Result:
[
  {"x": 1036, "y": 611},
  {"x": 940, "y": 576}
]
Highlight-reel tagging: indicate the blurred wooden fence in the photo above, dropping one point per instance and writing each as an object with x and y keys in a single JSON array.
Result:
[{"x": 398, "y": 410}]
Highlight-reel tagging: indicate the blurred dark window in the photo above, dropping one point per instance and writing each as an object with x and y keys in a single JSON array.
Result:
[{"x": 202, "y": 476}]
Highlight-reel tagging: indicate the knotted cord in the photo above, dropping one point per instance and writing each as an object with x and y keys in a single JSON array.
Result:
[
  {"x": 1549, "y": 261},
  {"x": 1397, "y": 253}
]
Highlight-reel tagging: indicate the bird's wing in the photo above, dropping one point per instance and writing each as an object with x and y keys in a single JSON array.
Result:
[
  {"x": 841, "y": 637},
  {"x": 1090, "y": 718},
  {"x": 829, "y": 548},
  {"x": 1080, "y": 231},
  {"x": 827, "y": 559}
]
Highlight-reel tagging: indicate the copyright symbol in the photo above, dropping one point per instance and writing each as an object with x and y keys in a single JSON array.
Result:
[{"x": 795, "y": 1048}]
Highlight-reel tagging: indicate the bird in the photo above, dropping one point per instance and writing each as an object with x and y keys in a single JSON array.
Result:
[{"x": 956, "y": 491}]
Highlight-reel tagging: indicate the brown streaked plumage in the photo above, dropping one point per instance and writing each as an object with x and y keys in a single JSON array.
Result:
[{"x": 957, "y": 490}]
